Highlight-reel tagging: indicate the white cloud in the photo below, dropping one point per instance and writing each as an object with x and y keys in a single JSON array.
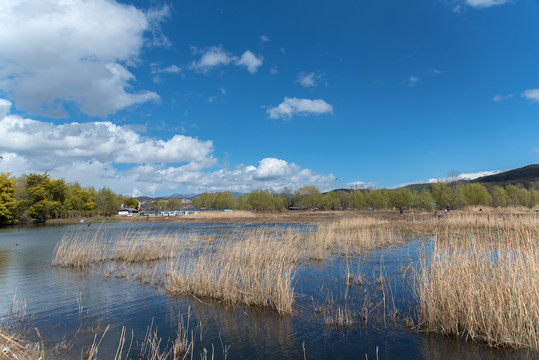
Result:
[
  {"x": 49, "y": 143},
  {"x": 68, "y": 51},
  {"x": 213, "y": 57},
  {"x": 499, "y": 97},
  {"x": 485, "y": 3},
  {"x": 306, "y": 80},
  {"x": 472, "y": 176},
  {"x": 172, "y": 69},
  {"x": 264, "y": 38},
  {"x": 466, "y": 176},
  {"x": 311, "y": 79},
  {"x": 413, "y": 80},
  {"x": 5, "y": 107},
  {"x": 250, "y": 61},
  {"x": 271, "y": 168},
  {"x": 216, "y": 56},
  {"x": 92, "y": 153},
  {"x": 292, "y": 106},
  {"x": 531, "y": 94}
]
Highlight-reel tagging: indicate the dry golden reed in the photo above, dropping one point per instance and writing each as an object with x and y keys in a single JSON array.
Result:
[
  {"x": 252, "y": 269},
  {"x": 82, "y": 248},
  {"x": 484, "y": 284},
  {"x": 224, "y": 214},
  {"x": 350, "y": 236}
]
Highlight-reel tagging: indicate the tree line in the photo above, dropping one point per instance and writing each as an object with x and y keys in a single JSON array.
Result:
[
  {"x": 39, "y": 197},
  {"x": 455, "y": 195}
]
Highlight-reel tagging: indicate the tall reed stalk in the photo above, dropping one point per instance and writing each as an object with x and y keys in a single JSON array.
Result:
[
  {"x": 483, "y": 285},
  {"x": 255, "y": 270},
  {"x": 82, "y": 248},
  {"x": 350, "y": 236}
]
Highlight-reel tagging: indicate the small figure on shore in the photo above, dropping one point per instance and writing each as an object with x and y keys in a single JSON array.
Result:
[
  {"x": 401, "y": 211},
  {"x": 435, "y": 213}
]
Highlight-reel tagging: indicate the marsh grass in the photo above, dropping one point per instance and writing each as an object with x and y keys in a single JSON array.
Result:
[
  {"x": 153, "y": 347},
  {"x": 83, "y": 248},
  {"x": 252, "y": 269},
  {"x": 211, "y": 215},
  {"x": 13, "y": 347},
  {"x": 483, "y": 284},
  {"x": 341, "y": 318},
  {"x": 479, "y": 280},
  {"x": 351, "y": 237}
]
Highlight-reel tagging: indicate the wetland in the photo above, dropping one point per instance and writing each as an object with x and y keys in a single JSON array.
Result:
[{"x": 341, "y": 285}]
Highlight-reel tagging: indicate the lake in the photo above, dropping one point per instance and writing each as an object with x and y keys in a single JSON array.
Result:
[{"x": 71, "y": 307}]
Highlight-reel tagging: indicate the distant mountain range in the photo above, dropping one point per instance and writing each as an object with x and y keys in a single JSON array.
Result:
[{"x": 527, "y": 176}]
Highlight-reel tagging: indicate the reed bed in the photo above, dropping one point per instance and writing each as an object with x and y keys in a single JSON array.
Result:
[
  {"x": 351, "y": 236},
  {"x": 225, "y": 214},
  {"x": 489, "y": 219},
  {"x": 251, "y": 269},
  {"x": 483, "y": 286},
  {"x": 82, "y": 248}
]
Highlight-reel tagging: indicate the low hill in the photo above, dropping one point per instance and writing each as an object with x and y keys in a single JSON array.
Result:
[{"x": 528, "y": 176}]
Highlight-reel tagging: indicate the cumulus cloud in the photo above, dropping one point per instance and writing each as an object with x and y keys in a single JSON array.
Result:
[
  {"x": 216, "y": 56},
  {"x": 293, "y": 106},
  {"x": 531, "y": 94},
  {"x": 271, "y": 169},
  {"x": 485, "y": 3},
  {"x": 310, "y": 79},
  {"x": 68, "y": 52},
  {"x": 49, "y": 144},
  {"x": 250, "y": 61},
  {"x": 92, "y": 153},
  {"x": 213, "y": 57}
]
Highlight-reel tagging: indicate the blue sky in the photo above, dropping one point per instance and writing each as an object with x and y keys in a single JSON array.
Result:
[{"x": 155, "y": 98}]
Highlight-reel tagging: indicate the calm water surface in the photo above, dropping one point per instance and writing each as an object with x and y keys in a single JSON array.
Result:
[{"x": 69, "y": 307}]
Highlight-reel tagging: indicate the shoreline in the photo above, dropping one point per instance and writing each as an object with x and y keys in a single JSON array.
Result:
[{"x": 244, "y": 217}]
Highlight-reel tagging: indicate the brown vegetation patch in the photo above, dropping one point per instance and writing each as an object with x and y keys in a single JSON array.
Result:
[
  {"x": 12, "y": 347},
  {"x": 481, "y": 282},
  {"x": 254, "y": 270}
]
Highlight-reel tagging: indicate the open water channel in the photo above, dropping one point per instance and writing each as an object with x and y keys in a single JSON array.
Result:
[{"x": 70, "y": 307}]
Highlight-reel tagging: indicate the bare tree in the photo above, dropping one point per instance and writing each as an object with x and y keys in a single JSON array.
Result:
[{"x": 452, "y": 175}]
